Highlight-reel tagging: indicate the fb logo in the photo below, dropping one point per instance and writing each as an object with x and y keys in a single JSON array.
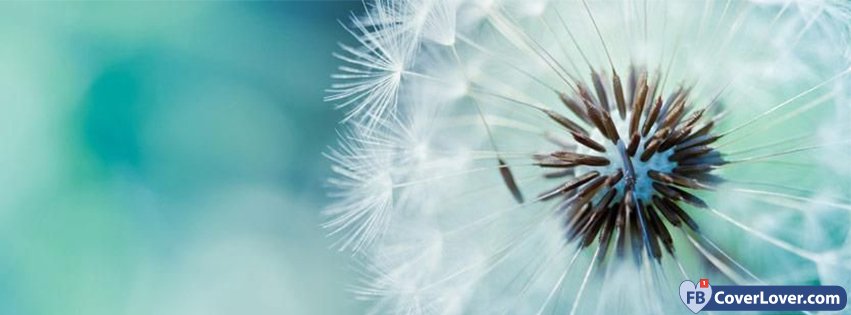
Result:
[{"x": 695, "y": 297}]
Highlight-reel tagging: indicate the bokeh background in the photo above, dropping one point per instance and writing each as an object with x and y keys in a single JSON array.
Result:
[{"x": 165, "y": 158}]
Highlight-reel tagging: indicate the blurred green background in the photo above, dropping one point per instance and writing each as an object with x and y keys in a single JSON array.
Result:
[{"x": 165, "y": 158}]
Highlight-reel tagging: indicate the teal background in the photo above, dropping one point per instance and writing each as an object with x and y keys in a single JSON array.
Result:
[{"x": 165, "y": 158}]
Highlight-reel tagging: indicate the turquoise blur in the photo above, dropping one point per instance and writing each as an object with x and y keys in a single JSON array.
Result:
[{"x": 165, "y": 158}]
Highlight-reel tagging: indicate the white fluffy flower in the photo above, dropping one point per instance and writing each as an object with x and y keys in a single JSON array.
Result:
[{"x": 522, "y": 157}]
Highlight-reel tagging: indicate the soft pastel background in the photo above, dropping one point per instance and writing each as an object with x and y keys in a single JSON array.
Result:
[{"x": 165, "y": 158}]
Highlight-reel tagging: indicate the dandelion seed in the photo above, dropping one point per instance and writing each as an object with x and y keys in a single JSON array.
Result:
[{"x": 369, "y": 82}]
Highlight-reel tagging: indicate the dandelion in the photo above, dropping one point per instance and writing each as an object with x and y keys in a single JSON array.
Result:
[{"x": 529, "y": 157}]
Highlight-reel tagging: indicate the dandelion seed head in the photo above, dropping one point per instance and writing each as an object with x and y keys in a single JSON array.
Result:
[
  {"x": 519, "y": 156},
  {"x": 633, "y": 154}
]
